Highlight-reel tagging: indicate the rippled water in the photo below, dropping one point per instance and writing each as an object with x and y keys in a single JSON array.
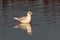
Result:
[{"x": 45, "y": 22}]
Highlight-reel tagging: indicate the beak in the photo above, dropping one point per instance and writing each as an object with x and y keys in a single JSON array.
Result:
[{"x": 31, "y": 13}]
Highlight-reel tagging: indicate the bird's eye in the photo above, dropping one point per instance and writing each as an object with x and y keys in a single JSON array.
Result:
[{"x": 29, "y": 12}]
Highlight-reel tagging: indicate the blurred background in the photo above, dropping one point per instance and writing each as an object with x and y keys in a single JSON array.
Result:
[{"x": 45, "y": 22}]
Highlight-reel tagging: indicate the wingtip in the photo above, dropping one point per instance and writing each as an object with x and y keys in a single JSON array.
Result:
[{"x": 15, "y": 18}]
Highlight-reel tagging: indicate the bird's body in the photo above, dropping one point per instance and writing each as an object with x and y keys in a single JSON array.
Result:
[{"x": 25, "y": 19}]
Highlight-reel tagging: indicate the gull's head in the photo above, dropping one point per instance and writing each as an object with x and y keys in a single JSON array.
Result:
[{"x": 29, "y": 13}]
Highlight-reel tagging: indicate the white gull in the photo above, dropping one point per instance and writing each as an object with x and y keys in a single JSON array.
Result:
[{"x": 25, "y": 19}]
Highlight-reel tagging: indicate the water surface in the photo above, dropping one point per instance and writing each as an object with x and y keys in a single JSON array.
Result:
[{"x": 45, "y": 22}]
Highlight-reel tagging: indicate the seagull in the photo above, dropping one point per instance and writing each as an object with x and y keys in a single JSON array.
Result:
[{"x": 25, "y": 19}]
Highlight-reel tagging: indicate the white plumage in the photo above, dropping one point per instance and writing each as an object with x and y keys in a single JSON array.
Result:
[{"x": 25, "y": 19}]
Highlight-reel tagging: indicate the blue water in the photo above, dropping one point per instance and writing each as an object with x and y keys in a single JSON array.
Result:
[{"x": 45, "y": 20}]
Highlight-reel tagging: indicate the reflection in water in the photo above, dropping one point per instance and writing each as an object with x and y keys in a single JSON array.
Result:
[
  {"x": 46, "y": 31},
  {"x": 5, "y": 6},
  {"x": 4, "y": 10},
  {"x": 58, "y": 1},
  {"x": 30, "y": 0},
  {"x": 50, "y": 13},
  {"x": 26, "y": 27},
  {"x": 46, "y": 1},
  {"x": 53, "y": 7},
  {"x": 12, "y": 1}
]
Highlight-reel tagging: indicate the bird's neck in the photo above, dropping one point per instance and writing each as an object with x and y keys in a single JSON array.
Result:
[
  {"x": 28, "y": 15},
  {"x": 28, "y": 18}
]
